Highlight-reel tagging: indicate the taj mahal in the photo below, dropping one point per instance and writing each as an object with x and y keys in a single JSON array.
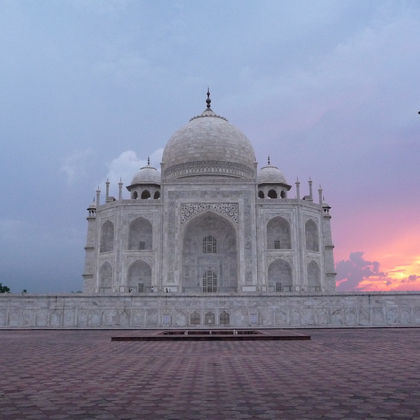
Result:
[
  {"x": 210, "y": 240},
  {"x": 209, "y": 222}
]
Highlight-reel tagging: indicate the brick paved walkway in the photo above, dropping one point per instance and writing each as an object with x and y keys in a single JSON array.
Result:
[{"x": 372, "y": 373}]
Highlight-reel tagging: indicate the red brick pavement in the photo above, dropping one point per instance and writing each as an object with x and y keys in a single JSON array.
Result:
[{"x": 365, "y": 373}]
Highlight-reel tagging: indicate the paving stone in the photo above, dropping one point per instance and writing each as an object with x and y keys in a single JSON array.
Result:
[{"x": 347, "y": 373}]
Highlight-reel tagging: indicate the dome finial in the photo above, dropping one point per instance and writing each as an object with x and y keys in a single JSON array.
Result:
[
  {"x": 268, "y": 160},
  {"x": 208, "y": 100},
  {"x": 148, "y": 160}
]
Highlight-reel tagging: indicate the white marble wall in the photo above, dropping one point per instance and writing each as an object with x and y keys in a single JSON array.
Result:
[{"x": 174, "y": 311}]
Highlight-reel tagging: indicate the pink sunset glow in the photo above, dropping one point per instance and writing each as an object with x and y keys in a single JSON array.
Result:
[{"x": 387, "y": 256}]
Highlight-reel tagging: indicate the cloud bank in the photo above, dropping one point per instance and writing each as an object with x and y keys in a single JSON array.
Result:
[{"x": 359, "y": 274}]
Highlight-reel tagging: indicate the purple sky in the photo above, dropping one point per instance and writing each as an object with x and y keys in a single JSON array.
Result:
[{"x": 88, "y": 89}]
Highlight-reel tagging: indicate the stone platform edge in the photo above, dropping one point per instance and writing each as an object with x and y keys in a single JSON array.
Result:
[{"x": 337, "y": 310}]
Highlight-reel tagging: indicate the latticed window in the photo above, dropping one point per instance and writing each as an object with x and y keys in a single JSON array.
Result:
[
  {"x": 142, "y": 245},
  {"x": 209, "y": 245},
  {"x": 209, "y": 282},
  {"x": 277, "y": 244}
]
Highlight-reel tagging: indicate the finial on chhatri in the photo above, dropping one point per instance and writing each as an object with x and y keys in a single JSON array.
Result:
[
  {"x": 208, "y": 100},
  {"x": 268, "y": 160},
  {"x": 148, "y": 160}
]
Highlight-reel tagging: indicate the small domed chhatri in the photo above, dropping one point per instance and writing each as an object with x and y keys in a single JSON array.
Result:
[
  {"x": 271, "y": 182},
  {"x": 146, "y": 183},
  {"x": 146, "y": 175},
  {"x": 270, "y": 174},
  {"x": 209, "y": 224},
  {"x": 208, "y": 146}
]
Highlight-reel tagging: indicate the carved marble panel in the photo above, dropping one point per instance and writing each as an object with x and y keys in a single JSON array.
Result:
[{"x": 189, "y": 210}]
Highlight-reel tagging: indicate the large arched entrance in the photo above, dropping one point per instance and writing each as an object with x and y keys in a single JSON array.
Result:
[{"x": 209, "y": 257}]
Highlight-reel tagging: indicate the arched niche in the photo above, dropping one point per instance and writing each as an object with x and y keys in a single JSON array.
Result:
[
  {"x": 209, "y": 318},
  {"x": 105, "y": 278},
  {"x": 209, "y": 232},
  {"x": 195, "y": 318},
  {"x": 314, "y": 277},
  {"x": 140, "y": 234},
  {"x": 107, "y": 237},
  {"x": 311, "y": 234},
  {"x": 272, "y": 194},
  {"x": 145, "y": 195},
  {"x": 224, "y": 318},
  {"x": 278, "y": 234},
  {"x": 280, "y": 276},
  {"x": 139, "y": 277}
]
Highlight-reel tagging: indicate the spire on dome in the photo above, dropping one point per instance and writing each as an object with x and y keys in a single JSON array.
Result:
[
  {"x": 148, "y": 160},
  {"x": 208, "y": 100},
  {"x": 268, "y": 160}
]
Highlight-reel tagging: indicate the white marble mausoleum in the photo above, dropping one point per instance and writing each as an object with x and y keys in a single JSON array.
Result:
[
  {"x": 210, "y": 240},
  {"x": 210, "y": 221}
]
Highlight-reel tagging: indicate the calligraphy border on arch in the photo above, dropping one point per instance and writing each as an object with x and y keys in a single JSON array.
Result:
[{"x": 189, "y": 210}]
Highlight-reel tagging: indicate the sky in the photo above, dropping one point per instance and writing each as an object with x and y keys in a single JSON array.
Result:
[{"x": 329, "y": 89}]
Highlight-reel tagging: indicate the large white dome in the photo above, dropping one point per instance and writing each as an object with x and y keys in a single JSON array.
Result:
[{"x": 208, "y": 146}]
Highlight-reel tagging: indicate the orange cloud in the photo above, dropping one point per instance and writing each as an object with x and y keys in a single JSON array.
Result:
[{"x": 391, "y": 257}]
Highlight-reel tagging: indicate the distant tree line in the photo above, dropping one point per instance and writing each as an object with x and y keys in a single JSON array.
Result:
[{"x": 4, "y": 289}]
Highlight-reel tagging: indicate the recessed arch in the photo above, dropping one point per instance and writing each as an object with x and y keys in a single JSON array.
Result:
[
  {"x": 260, "y": 194},
  {"x": 224, "y": 318},
  {"x": 311, "y": 234},
  {"x": 280, "y": 276},
  {"x": 156, "y": 195},
  {"x": 105, "y": 277},
  {"x": 139, "y": 277},
  {"x": 135, "y": 195},
  {"x": 209, "y": 318},
  {"x": 223, "y": 262},
  {"x": 278, "y": 234},
  {"x": 314, "y": 277},
  {"x": 140, "y": 234},
  {"x": 107, "y": 237},
  {"x": 272, "y": 194},
  {"x": 195, "y": 318},
  {"x": 145, "y": 195}
]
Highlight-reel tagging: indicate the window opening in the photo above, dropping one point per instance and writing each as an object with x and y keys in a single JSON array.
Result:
[
  {"x": 209, "y": 245},
  {"x": 272, "y": 194},
  {"x": 145, "y": 195},
  {"x": 209, "y": 282}
]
